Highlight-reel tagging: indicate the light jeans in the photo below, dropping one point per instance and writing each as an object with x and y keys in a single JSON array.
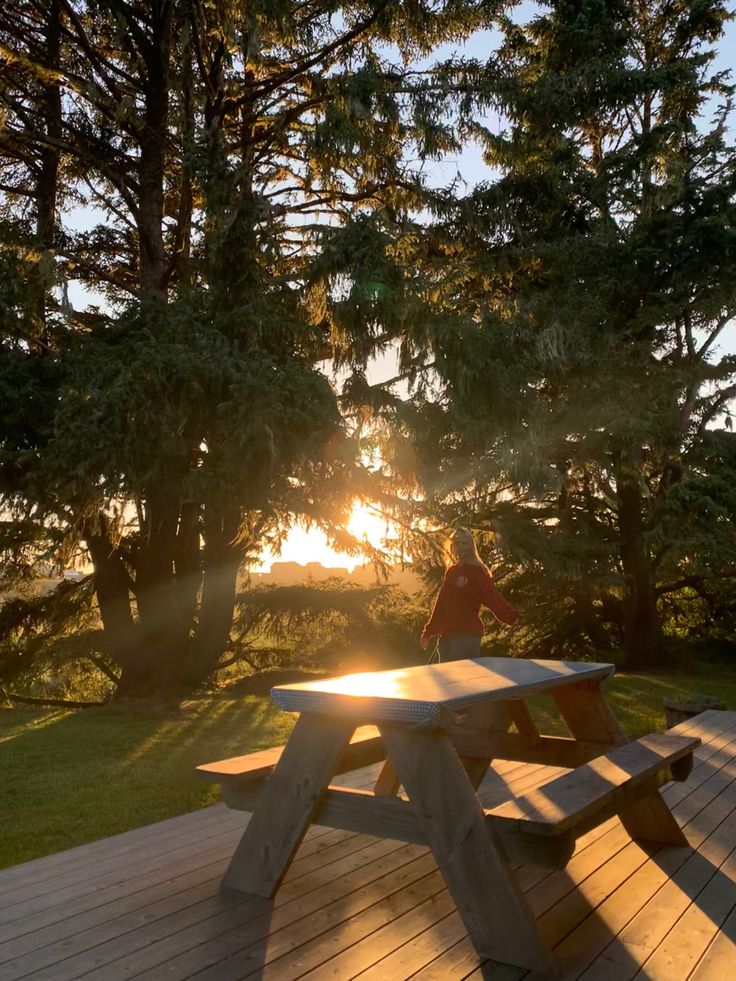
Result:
[{"x": 459, "y": 646}]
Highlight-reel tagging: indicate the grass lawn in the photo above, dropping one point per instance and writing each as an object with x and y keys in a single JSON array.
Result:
[
  {"x": 72, "y": 776},
  {"x": 637, "y": 698}
]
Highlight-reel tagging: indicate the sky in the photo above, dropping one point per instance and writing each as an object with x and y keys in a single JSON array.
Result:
[{"x": 311, "y": 545}]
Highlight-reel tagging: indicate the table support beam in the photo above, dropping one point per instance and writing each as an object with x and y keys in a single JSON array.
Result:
[
  {"x": 480, "y": 723},
  {"x": 496, "y": 915},
  {"x": 589, "y": 717},
  {"x": 388, "y": 783},
  {"x": 287, "y": 804}
]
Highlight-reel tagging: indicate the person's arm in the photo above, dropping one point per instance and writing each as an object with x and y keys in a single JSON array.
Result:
[
  {"x": 432, "y": 626},
  {"x": 495, "y": 602}
]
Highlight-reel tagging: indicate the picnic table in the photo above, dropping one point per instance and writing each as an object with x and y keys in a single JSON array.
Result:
[{"x": 436, "y": 729}]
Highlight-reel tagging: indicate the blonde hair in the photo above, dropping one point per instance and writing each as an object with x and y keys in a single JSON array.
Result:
[{"x": 463, "y": 548}]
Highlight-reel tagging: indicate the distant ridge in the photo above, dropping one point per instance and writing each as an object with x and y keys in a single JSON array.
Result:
[{"x": 291, "y": 573}]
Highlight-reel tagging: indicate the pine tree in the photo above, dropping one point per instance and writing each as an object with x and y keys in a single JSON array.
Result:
[
  {"x": 222, "y": 146},
  {"x": 577, "y": 306}
]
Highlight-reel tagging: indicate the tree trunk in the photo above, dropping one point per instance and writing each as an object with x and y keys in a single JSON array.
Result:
[
  {"x": 112, "y": 587},
  {"x": 165, "y": 628},
  {"x": 588, "y": 619},
  {"x": 221, "y": 565},
  {"x": 163, "y": 633},
  {"x": 47, "y": 183},
  {"x": 187, "y": 561},
  {"x": 642, "y": 630},
  {"x": 153, "y": 271}
]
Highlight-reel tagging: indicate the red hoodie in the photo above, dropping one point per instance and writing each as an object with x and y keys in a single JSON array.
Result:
[{"x": 464, "y": 590}]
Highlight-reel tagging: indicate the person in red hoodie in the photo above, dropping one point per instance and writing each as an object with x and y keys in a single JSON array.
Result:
[{"x": 467, "y": 586}]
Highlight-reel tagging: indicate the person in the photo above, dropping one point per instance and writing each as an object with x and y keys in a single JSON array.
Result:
[{"x": 467, "y": 586}]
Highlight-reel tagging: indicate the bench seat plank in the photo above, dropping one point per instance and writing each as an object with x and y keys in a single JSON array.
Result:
[
  {"x": 613, "y": 779},
  {"x": 365, "y": 748}
]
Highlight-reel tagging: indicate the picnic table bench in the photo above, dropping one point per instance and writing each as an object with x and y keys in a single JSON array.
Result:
[
  {"x": 365, "y": 747},
  {"x": 436, "y": 729}
]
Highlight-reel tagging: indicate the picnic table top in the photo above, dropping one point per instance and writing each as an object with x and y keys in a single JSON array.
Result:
[{"x": 426, "y": 694}]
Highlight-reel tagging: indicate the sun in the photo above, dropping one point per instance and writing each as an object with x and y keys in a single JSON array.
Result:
[
  {"x": 304, "y": 545},
  {"x": 367, "y": 524}
]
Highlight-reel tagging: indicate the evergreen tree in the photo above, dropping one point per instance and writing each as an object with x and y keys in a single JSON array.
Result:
[
  {"x": 575, "y": 305},
  {"x": 220, "y": 147}
]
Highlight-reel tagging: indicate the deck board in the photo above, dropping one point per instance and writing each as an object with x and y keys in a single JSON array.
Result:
[{"x": 147, "y": 904}]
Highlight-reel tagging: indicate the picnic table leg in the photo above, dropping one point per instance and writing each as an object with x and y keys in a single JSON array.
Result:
[
  {"x": 483, "y": 718},
  {"x": 488, "y": 898},
  {"x": 287, "y": 803},
  {"x": 589, "y": 716},
  {"x": 525, "y": 724}
]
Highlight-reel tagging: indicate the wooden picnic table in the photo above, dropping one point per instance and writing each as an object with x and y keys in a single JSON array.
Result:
[{"x": 440, "y": 727}]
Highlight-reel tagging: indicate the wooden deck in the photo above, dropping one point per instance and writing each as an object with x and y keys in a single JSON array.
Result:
[{"x": 147, "y": 904}]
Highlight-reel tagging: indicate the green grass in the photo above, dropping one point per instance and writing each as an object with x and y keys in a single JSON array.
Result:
[
  {"x": 637, "y": 699},
  {"x": 72, "y": 776}
]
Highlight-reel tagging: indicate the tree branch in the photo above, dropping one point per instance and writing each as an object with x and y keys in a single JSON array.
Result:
[{"x": 274, "y": 82}]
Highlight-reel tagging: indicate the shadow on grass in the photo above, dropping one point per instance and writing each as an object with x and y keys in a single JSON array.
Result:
[{"x": 71, "y": 777}]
